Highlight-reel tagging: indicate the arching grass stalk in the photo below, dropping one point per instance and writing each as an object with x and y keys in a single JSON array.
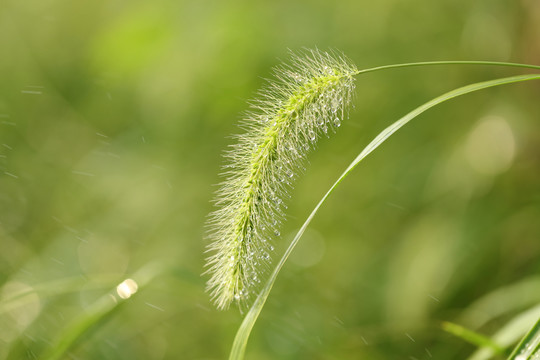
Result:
[
  {"x": 456, "y": 62},
  {"x": 244, "y": 331},
  {"x": 308, "y": 99}
]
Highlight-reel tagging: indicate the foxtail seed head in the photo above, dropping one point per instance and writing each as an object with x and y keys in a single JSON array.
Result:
[{"x": 308, "y": 99}]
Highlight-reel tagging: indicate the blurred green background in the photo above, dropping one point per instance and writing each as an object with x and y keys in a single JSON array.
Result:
[{"x": 113, "y": 118}]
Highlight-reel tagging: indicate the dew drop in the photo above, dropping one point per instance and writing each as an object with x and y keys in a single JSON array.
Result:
[
  {"x": 277, "y": 233},
  {"x": 311, "y": 135},
  {"x": 337, "y": 122}
]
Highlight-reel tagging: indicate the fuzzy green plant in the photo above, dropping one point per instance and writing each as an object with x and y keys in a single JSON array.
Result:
[{"x": 308, "y": 99}]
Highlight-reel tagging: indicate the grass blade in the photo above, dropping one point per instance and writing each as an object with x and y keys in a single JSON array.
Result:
[
  {"x": 472, "y": 337},
  {"x": 509, "y": 334},
  {"x": 242, "y": 336},
  {"x": 52, "y": 288},
  {"x": 515, "y": 297},
  {"x": 100, "y": 310},
  {"x": 529, "y": 347}
]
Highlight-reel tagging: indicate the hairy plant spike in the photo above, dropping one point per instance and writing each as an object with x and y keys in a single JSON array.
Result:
[{"x": 308, "y": 99}]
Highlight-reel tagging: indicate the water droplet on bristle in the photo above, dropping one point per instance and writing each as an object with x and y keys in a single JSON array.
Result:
[{"x": 337, "y": 122}]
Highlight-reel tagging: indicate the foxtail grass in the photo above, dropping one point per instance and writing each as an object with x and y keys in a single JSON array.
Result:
[{"x": 308, "y": 99}]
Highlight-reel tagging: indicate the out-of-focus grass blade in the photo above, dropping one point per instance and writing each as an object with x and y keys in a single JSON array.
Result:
[
  {"x": 50, "y": 289},
  {"x": 504, "y": 300},
  {"x": 529, "y": 347},
  {"x": 242, "y": 336},
  {"x": 472, "y": 337},
  {"x": 101, "y": 309},
  {"x": 510, "y": 334}
]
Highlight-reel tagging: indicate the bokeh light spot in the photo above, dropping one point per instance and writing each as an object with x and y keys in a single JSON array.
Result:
[
  {"x": 491, "y": 147},
  {"x": 127, "y": 288}
]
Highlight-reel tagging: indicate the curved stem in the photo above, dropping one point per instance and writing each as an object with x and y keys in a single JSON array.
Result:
[
  {"x": 240, "y": 341},
  {"x": 430, "y": 63}
]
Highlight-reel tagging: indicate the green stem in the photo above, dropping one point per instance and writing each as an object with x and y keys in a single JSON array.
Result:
[
  {"x": 430, "y": 63},
  {"x": 240, "y": 341}
]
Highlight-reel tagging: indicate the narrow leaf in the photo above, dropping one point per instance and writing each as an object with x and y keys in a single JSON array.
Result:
[
  {"x": 100, "y": 310},
  {"x": 510, "y": 333},
  {"x": 472, "y": 337},
  {"x": 240, "y": 341},
  {"x": 529, "y": 347}
]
